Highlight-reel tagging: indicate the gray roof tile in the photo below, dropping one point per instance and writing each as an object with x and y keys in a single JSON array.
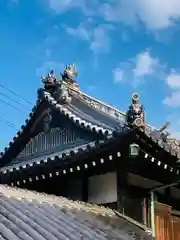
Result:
[{"x": 30, "y": 215}]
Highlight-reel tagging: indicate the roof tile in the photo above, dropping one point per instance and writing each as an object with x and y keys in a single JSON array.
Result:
[{"x": 30, "y": 215}]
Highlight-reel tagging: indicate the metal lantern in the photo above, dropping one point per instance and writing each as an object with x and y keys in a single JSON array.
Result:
[{"x": 134, "y": 150}]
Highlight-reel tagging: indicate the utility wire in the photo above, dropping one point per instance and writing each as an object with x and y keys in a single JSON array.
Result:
[
  {"x": 4, "y": 95},
  {"x": 4, "y": 121},
  {"x": 7, "y": 123},
  {"x": 10, "y": 105},
  {"x": 14, "y": 93},
  {"x": 14, "y": 100}
]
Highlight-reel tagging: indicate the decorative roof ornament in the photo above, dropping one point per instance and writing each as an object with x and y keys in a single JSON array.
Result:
[
  {"x": 70, "y": 72},
  {"x": 162, "y": 133},
  {"x": 135, "y": 116},
  {"x": 62, "y": 94},
  {"x": 50, "y": 81}
]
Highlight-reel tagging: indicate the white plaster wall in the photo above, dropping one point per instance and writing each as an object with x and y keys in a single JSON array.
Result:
[{"x": 102, "y": 188}]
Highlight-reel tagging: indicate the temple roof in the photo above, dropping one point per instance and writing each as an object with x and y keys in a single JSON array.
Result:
[
  {"x": 87, "y": 113},
  {"x": 31, "y": 215}
]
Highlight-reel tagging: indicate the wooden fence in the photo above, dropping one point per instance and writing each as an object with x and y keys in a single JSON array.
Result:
[
  {"x": 176, "y": 227},
  {"x": 163, "y": 222},
  {"x": 167, "y": 222}
]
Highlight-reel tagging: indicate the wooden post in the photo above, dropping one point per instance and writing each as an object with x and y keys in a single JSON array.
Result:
[
  {"x": 152, "y": 215},
  {"x": 85, "y": 188},
  {"x": 122, "y": 185},
  {"x": 145, "y": 212}
]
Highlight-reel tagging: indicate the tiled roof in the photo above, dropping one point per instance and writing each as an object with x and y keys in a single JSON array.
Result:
[
  {"x": 90, "y": 114},
  {"x": 29, "y": 216},
  {"x": 85, "y": 114},
  {"x": 67, "y": 153},
  {"x": 84, "y": 111}
]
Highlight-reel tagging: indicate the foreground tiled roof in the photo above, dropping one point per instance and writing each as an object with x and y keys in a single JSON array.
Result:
[{"x": 29, "y": 216}]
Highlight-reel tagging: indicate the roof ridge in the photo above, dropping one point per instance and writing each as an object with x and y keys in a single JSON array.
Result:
[
  {"x": 102, "y": 103},
  {"x": 78, "y": 91},
  {"x": 96, "y": 100},
  {"x": 81, "y": 122}
]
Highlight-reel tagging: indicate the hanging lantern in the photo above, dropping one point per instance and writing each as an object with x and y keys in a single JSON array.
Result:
[{"x": 134, "y": 150}]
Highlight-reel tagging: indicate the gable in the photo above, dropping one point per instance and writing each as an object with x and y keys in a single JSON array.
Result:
[
  {"x": 61, "y": 133},
  {"x": 24, "y": 144}
]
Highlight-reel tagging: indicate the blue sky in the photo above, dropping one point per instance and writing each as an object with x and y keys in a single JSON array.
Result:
[{"x": 119, "y": 47}]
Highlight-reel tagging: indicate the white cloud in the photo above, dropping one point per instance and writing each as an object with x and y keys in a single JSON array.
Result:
[
  {"x": 80, "y": 32},
  {"x": 174, "y": 119},
  {"x": 145, "y": 64},
  {"x": 60, "y": 6},
  {"x": 154, "y": 14},
  {"x": 175, "y": 133},
  {"x": 98, "y": 37},
  {"x": 174, "y": 129},
  {"x": 173, "y": 80},
  {"x": 138, "y": 68},
  {"x": 118, "y": 75},
  {"x": 173, "y": 101}
]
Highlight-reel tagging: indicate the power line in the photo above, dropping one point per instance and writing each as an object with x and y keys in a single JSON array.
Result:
[
  {"x": 19, "y": 109},
  {"x": 10, "y": 105},
  {"x": 14, "y": 93},
  {"x": 7, "y": 123},
  {"x": 15, "y": 101}
]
